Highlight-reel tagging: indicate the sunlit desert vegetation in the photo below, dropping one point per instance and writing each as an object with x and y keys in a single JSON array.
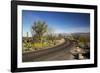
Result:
[{"x": 42, "y": 38}]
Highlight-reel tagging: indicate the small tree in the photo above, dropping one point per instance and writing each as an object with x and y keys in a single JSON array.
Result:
[{"x": 39, "y": 28}]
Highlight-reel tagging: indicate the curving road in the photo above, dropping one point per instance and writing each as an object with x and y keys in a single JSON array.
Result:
[{"x": 61, "y": 52}]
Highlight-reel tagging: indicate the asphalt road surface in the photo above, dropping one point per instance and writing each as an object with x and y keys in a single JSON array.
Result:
[{"x": 61, "y": 52}]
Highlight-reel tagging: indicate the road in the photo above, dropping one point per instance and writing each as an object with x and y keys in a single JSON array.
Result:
[{"x": 61, "y": 52}]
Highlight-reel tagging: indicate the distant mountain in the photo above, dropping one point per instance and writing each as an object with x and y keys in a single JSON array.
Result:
[
  {"x": 82, "y": 34},
  {"x": 68, "y": 34}
]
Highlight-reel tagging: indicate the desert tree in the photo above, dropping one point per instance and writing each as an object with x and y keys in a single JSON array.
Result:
[{"x": 39, "y": 28}]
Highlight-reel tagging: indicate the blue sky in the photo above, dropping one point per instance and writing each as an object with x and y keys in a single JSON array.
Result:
[{"x": 60, "y": 22}]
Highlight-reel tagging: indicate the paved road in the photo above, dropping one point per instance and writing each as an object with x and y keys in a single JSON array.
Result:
[{"x": 61, "y": 52}]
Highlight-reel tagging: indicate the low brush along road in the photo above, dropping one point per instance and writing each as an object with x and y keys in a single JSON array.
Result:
[{"x": 60, "y": 52}]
